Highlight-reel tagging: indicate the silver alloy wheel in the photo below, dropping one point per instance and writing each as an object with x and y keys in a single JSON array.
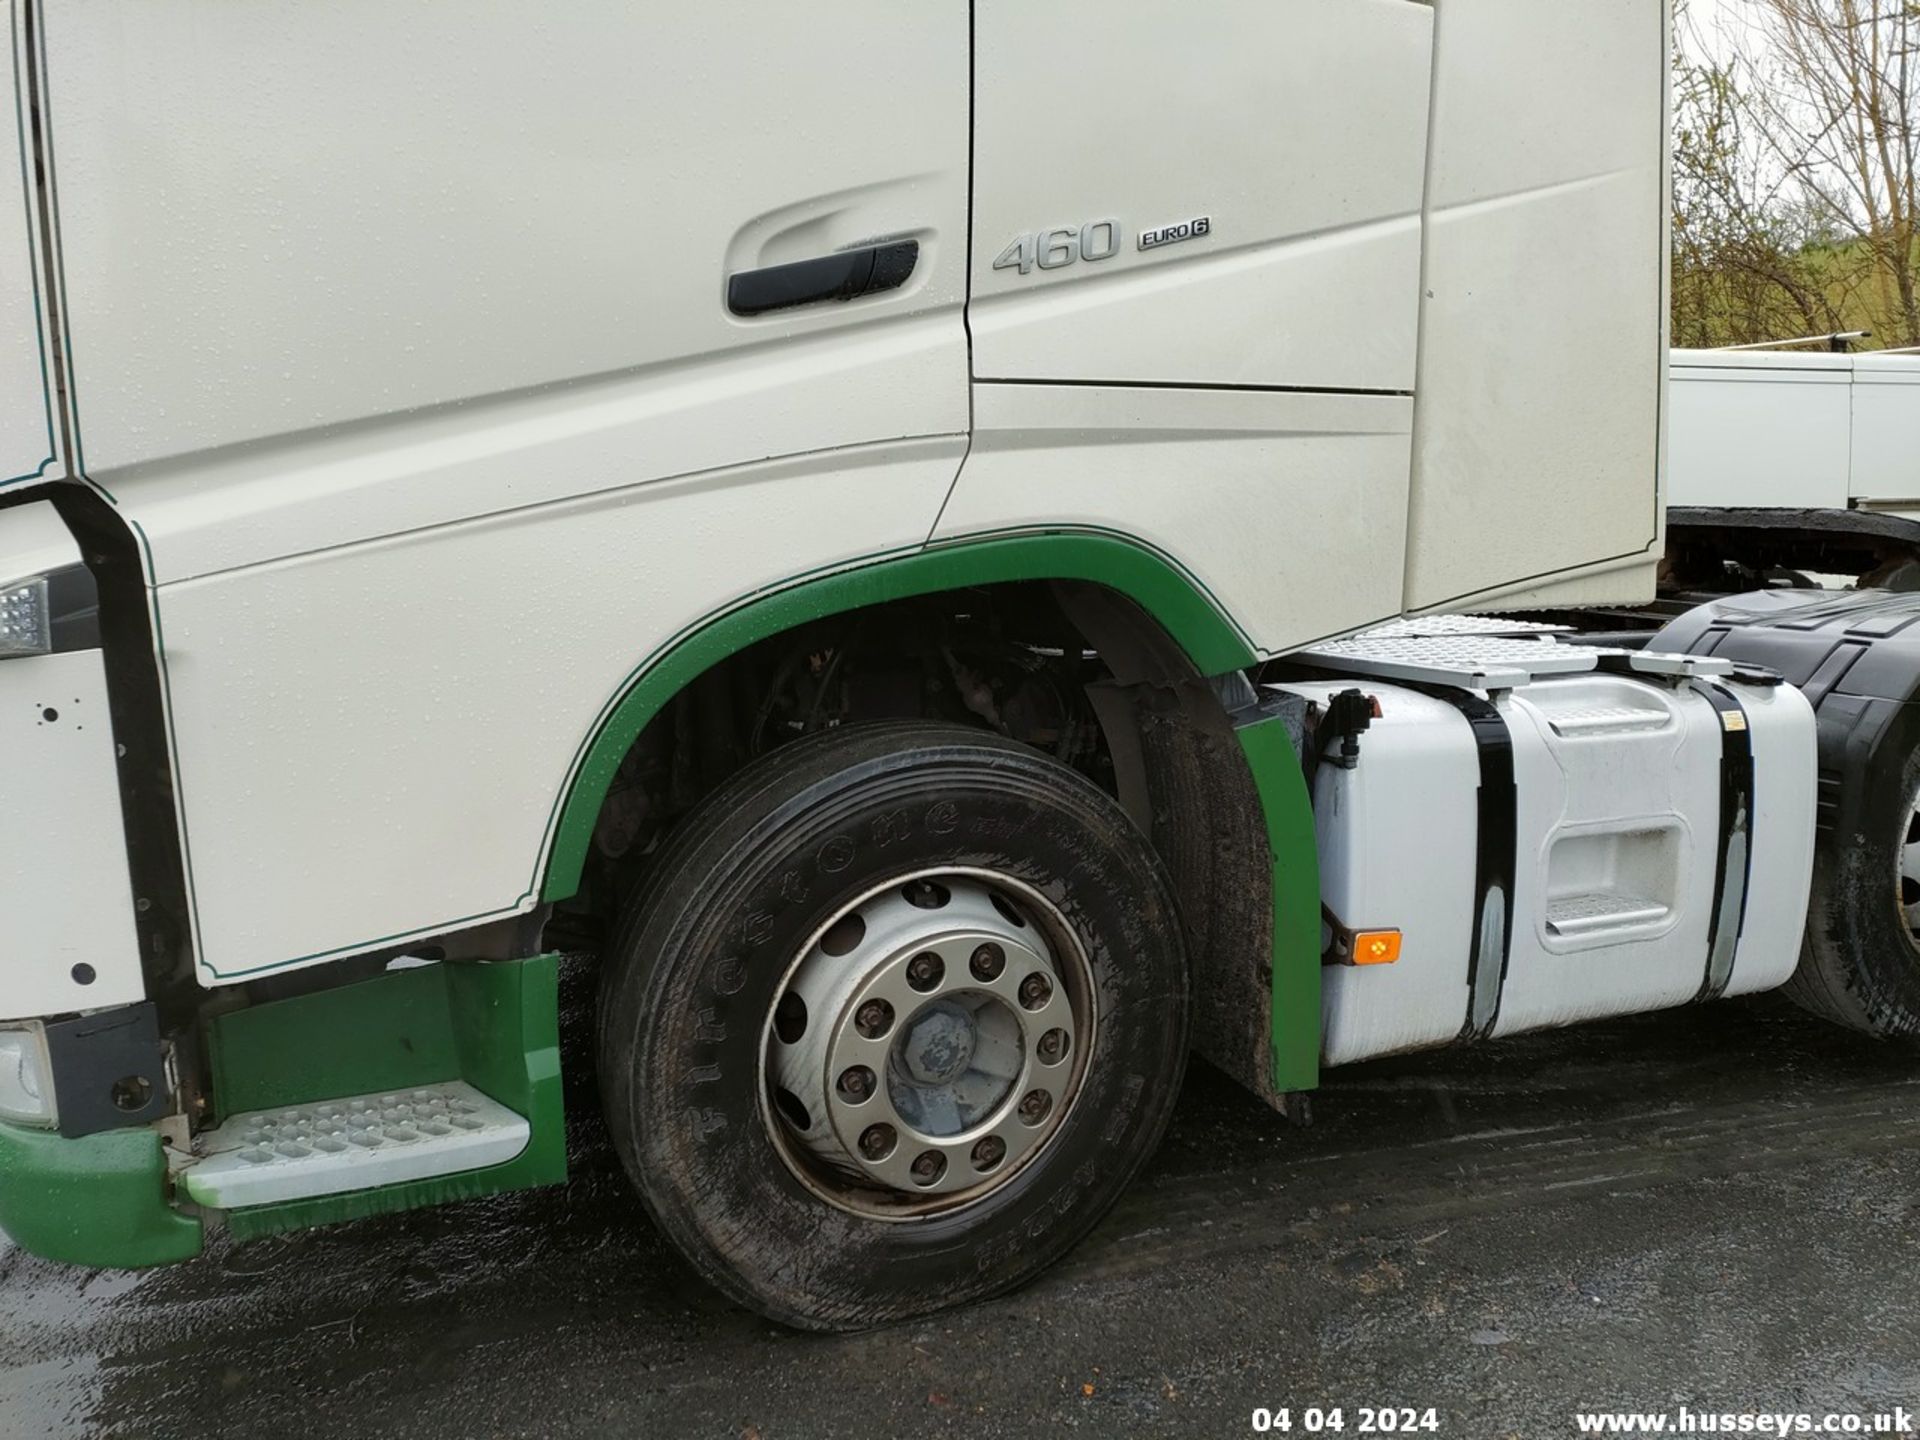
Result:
[{"x": 928, "y": 1043}]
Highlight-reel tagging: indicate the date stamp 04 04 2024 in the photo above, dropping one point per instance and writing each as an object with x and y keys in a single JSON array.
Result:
[{"x": 1336, "y": 1419}]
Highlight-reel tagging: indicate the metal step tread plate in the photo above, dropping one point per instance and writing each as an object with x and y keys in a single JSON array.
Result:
[
  {"x": 1583, "y": 914},
  {"x": 298, "y": 1152},
  {"x": 1435, "y": 627},
  {"x": 1477, "y": 660},
  {"x": 1596, "y": 719}
]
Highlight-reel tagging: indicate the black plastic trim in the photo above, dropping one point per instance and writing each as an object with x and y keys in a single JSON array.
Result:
[
  {"x": 1733, "y": 859},
  {"x": 109, "y": 1070},
  {"x": 1822, "y": 520},
  {"x": 154, "y": 852},
  {"x": 844, "y": 275},
  {"x": 73, "y": 605},
  {"x": 1496, "y": 846},
  {"x": 1086, "y": 383}
]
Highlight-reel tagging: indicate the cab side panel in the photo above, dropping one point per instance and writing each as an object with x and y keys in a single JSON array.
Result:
[
  {"x": 1289, "y": 509},
  {"x": 372, "y": 742},
  {"x": 26, "y": 412},
  {"x": 276, "y": 219},
  {"x": 402, "y": 336},
  {"x": 1296, "y": 127},
  {"x": 1236, "y": 392},
  {"x": 1543, "y": 332}
]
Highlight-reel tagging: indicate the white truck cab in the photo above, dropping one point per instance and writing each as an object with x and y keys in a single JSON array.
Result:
[{"x": 849, "y": 519}]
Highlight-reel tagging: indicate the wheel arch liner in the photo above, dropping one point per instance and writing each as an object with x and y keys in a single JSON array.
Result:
[{"x": 1191, "y": 617}]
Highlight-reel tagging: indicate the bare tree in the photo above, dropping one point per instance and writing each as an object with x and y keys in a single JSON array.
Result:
[
  {"x": 1748, "y": 262},
  {"x": 1834, "y": 100}
]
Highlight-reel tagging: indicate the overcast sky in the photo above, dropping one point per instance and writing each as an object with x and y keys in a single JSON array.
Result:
[{"x": 1707, "y": 20}]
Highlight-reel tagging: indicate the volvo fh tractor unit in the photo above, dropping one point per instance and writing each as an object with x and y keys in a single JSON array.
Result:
[{"x": 936, "y": 559}]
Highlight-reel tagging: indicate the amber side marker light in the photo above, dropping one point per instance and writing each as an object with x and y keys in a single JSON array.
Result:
[{"x": 1375, "y": 947}]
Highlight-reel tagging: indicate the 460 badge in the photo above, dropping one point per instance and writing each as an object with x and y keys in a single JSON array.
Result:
[{"x": 1095, "y": 240}]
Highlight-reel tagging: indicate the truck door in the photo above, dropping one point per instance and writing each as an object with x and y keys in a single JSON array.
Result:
[
  {"x": 1196, "y": 258},
  {"x": 26, "y": 417},
  {"x": 435, "y": 206},
  {"x": 447, "y": 300}
]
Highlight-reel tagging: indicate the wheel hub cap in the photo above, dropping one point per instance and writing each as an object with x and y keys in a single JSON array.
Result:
[
  {"x": 928, "y": 1043},
  {"x": 938, "y": 1046}
]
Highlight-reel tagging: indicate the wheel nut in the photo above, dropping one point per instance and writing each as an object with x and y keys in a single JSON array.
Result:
[
  {"x": 876, "y": 1141},
  {"x": 989, "y": 1152},
  {"x": 1034, "y": 1106},
  {"x": 856, "y": 1083},
  {"x": 873, "y": 1019},
  {"x": 928, "y": 1166},
  {"x": 925, "y": 970},
  {"x": 1035, "y": 991},
  {"x": 987, "y": 963},
  {"x": 1053, "y": 1047}
]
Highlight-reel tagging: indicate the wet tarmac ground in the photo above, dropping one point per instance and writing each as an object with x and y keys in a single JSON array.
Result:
[{"x": 1717, "y": 1207}]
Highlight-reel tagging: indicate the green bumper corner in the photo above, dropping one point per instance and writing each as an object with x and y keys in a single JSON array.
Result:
[{"x": 98, "y": 1201}]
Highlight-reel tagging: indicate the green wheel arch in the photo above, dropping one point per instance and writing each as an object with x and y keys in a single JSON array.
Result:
[
  {"x": 1180, "y": 604},
  {"x": 1177, "y": 601}
]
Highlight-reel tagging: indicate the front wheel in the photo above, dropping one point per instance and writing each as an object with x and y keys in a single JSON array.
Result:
[{"x": 902, "y": 1011}]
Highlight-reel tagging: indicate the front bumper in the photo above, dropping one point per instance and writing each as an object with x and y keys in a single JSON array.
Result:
[
  {"x": 103, "y": 1199},
  {"x": 99, "y": 1201}
]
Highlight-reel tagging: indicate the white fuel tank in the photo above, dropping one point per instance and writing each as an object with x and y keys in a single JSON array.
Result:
[{"x": 1555, "y": 847}]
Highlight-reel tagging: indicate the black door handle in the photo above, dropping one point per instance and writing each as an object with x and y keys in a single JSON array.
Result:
[{"x": 842, "y": 275}]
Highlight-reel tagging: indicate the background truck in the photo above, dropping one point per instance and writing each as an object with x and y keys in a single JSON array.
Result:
[
  {"x": 858, "y": 522},
  {"x": 1789, "y": 464}
]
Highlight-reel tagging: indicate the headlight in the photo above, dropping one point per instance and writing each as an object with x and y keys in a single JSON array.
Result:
[
  {"x": 26, "y": 1079},
  {"x": 26, "y": 621}
]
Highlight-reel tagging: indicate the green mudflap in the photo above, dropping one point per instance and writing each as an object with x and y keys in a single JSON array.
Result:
[
  {"x": 1296, "y": 903},
  {"x": 100, "y": 1200},
  {"x": 492, "y": 1023}
]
